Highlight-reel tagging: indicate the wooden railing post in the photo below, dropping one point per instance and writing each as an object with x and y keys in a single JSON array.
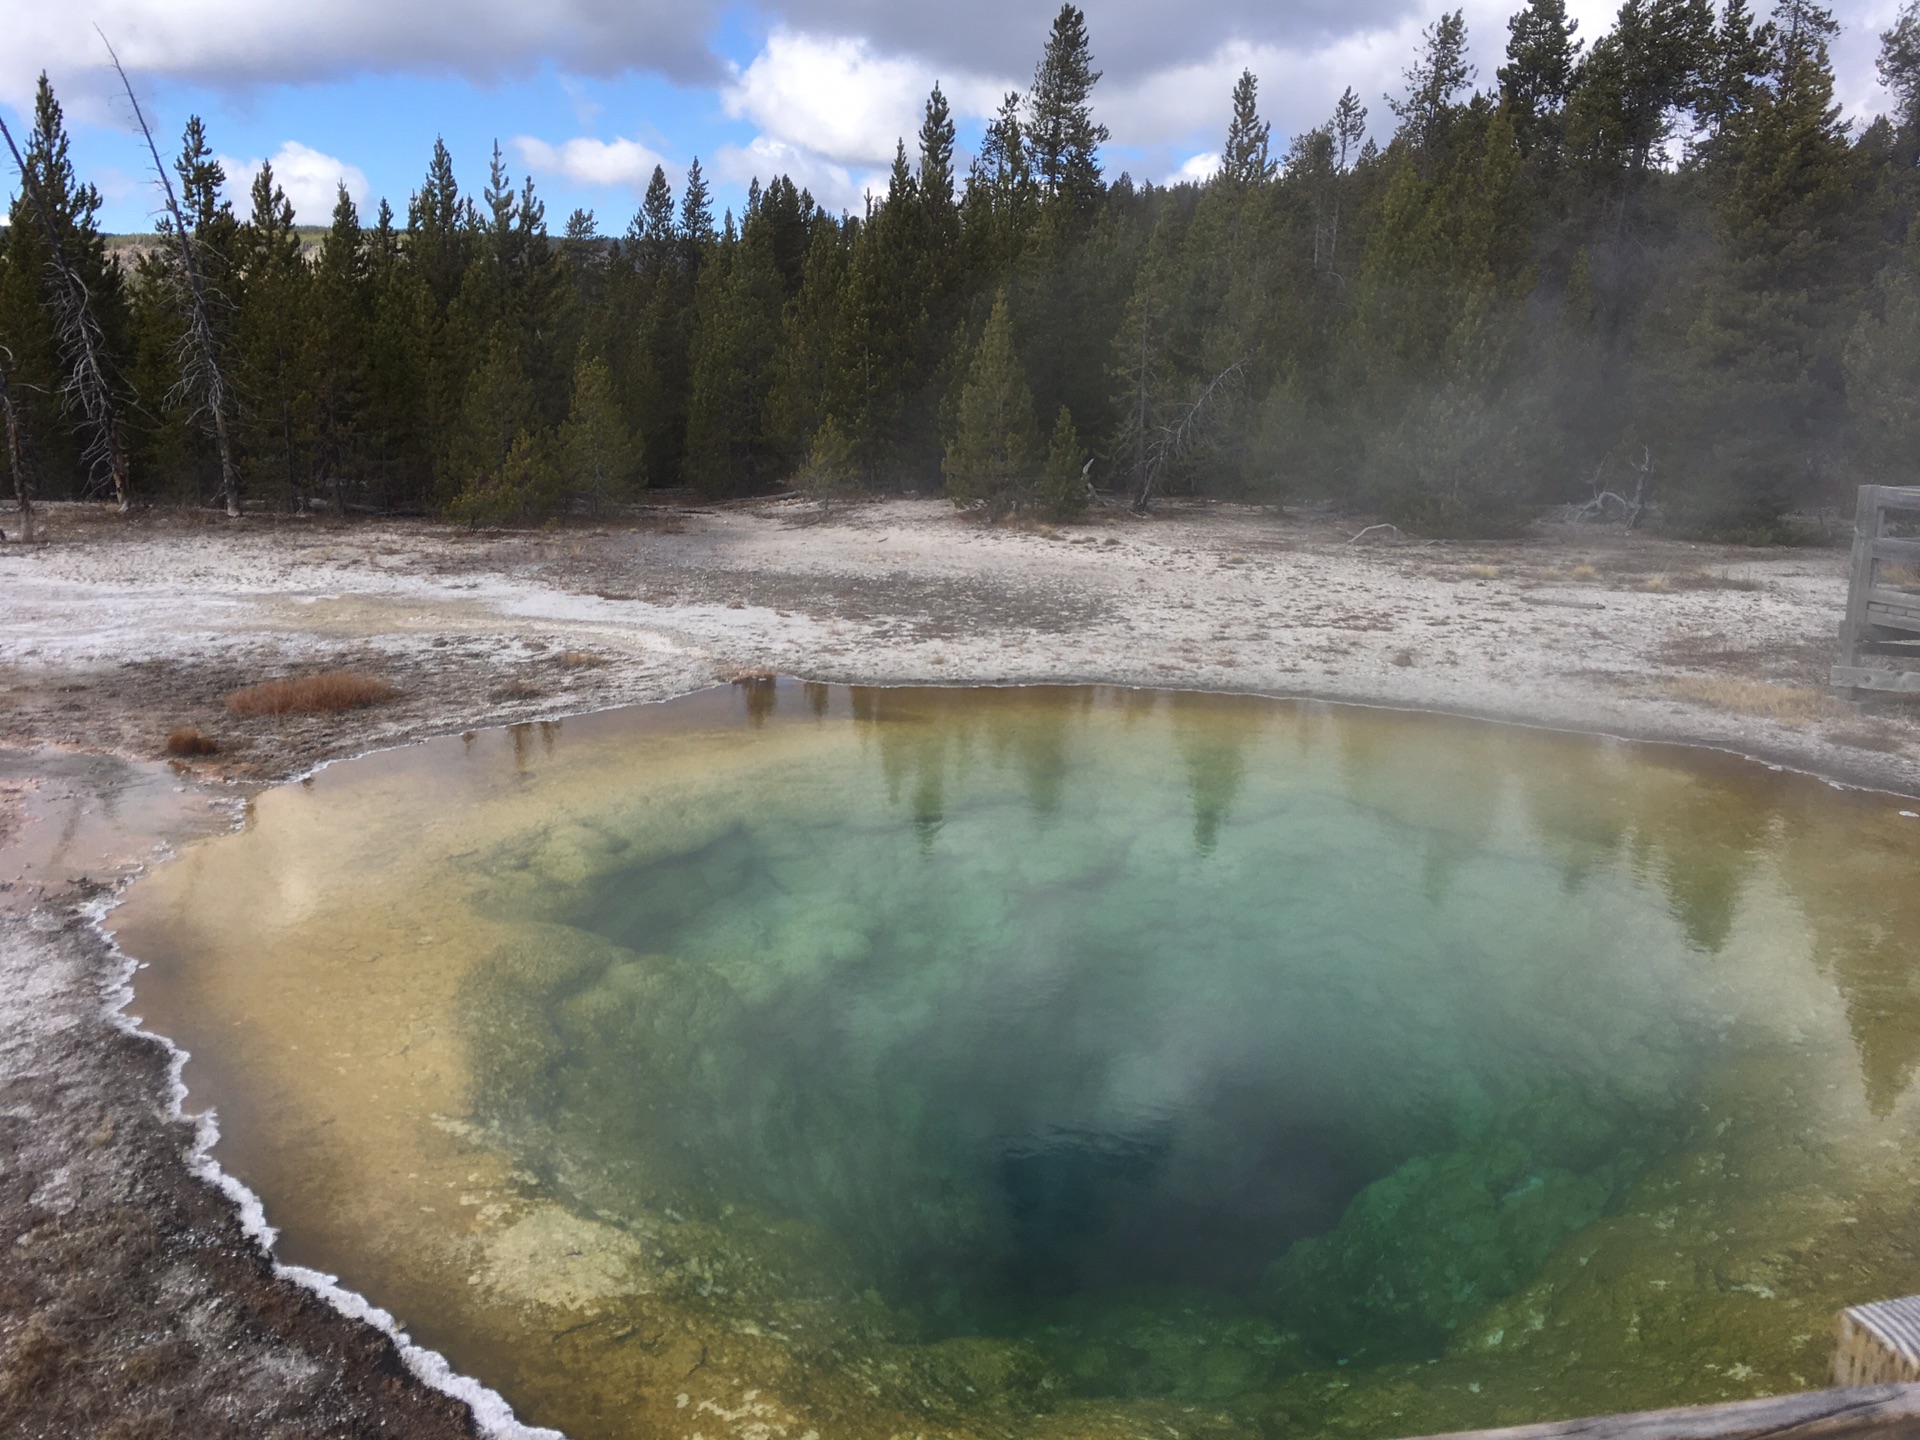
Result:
[{"x": 1883, "y": 614}]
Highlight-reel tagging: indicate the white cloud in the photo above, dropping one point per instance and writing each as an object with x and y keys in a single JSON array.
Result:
[
  {"x": 587, "y": 161},
  {"x": 310, "y": 179},
  {"x": 836, "y": 186},
  {"x": 239, "y": 43},
  {"x": 1201, "y": 167},
  {"x": 836, "y": 81},
  {"x": 841, "y": 100}
]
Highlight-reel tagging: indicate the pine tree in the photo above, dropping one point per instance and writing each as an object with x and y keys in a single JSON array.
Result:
[
  {"x": 1146, "y": 355},
  {"x": 1538, "y": 75},
  {"x": 731, "y": 445},
  {"x": 599, "y": 457},
  {"x": 808, "y": 374},
  {"x": 1883, "y": 377},
  {"x": 653, "y": 224},
  {"x": 994, "y": 455},
  {"x": 1349, "y": 129},
  {"x": 496, "y": 408},
  {"x": 1899, "y": 62},
  {"x": 188, "y": 289},
  {"x": 1734, "y": 65},
  {"x": 1629, "y": 90},
  {"x": 696, "y": 211},
  {"x": 1062, "y": 137},
  {"x": 268, "y": 342},
  {"x": 436, "y": 238},
  {"x": 337, "y": 363},
  {"x": 1063, "y": 483},
  {"x": 935, "y": 179},
  {"x": 64, "y": 315},
  {"x": 832, "y": 470},
  {"x": 1433, "y": 83},
  {"x": 880, "y": 354},
  {"x": 1763, "y": 394},
  {"x": 1244, "y": 161}
]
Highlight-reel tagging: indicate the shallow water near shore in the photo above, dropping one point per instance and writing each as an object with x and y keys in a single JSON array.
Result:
[{"x": 1064, "y": 1062}]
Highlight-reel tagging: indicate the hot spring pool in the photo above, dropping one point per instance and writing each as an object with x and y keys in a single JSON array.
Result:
[{"x": 792, "y": 1060}]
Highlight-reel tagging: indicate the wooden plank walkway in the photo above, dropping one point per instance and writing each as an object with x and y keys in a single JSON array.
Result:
[
  {"x": 1882, "y": 618},
  {"x": 1876, "y": 1364},
  {"x": 1855, "y": 1413}
]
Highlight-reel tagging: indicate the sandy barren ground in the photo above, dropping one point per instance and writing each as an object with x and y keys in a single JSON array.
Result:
[{"x": 132, "y": 1304}]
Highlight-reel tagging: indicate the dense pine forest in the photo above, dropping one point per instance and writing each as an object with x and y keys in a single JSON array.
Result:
[{"x": 1654, "y": 272}]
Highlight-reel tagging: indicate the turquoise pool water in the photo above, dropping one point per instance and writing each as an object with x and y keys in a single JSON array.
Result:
[{"x": 1073, "y": 1061}]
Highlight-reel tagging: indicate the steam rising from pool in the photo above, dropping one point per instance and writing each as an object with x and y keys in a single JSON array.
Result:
[{"x": 1064, "y": 1062}]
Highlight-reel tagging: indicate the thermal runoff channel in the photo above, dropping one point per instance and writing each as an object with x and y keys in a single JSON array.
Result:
[{"x": 1060, "y": 1062}]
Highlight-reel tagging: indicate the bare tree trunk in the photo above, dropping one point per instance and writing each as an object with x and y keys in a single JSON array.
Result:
[
  {"x": 202, "y": 371},
  {"x": 1176, "y": 439},
  {"x": 16, "y": 445},
  {"x": 88, "y": 384}
]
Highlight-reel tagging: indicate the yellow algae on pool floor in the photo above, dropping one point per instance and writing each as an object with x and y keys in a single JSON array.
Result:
[{"x": 668, "y": 1069}]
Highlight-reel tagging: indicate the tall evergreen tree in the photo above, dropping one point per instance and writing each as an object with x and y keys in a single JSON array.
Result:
[
  {"x": 599, "y": 456},
  {"x": 64, "y": 313},
  {"x": 1062, "y": 137},
  {"x": 1538, "y": 75},
  {"x": 1244, "y": 159},
  {"x": 935, "y": 178},
  {"x": 1899, "y": 62},
  {"x": 696, "y": 210},
  {"x": 994, "y": 457},
  {"x": 269, "y": 341},
  {"x": 336, "y": 364},
  {"x": 1434, "y": 82}
]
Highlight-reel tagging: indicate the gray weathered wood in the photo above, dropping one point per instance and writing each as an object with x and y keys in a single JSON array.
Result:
[
  {"x": 1896, "y": 551},
  {"x": 1878, "y": 1343},
  {"x": 1851, "y": 1414},
  {"x": 1890, "y": 617},
  {"x": 1866, "y": 530},
  {"x": 1874, "y": 610},
  {"x": 1861, "y": 677}
]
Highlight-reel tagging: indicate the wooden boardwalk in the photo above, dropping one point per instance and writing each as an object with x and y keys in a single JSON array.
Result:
[
  {"x": 1883, "y": 598},
  {"x": 1857, "y": 1413}
]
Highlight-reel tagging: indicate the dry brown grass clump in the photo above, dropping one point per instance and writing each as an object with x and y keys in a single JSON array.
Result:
[
  {"x": 1755, "y": 697},
  {"x": 1656, "y": 585},
  {"x": 186, "y": 740},
  {"x": 1482, "y": 572},
  {"x": 581, "y": 659},
  {"x": 1583, "y": 572},
  {"x": 320, "y": 694}
]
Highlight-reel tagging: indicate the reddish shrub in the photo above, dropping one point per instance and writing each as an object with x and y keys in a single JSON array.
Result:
[
  {"x": 190, "y": 740},
  {"x": 311, "y": 694}
]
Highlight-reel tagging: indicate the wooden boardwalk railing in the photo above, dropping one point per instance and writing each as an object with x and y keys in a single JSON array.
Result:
[
  {"x": 1866, "y": 1412},
  {"x": 1883, "y": 598}
]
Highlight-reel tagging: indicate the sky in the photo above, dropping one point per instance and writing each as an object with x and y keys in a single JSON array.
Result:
[{"x": 587, "y": 96}]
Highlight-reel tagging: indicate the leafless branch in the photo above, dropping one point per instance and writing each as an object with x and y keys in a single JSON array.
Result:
[
  {"x": 201, "y": 378},
  {"x": 88, "y": 386},
  {"x": 1175, "y": 440}
]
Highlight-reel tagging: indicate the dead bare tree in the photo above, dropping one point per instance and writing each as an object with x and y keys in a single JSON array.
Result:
[
  {"x": 202, "y": 381},
  {"x": 1637, "y": 508},
  {"x": 1633, "y": 511},
  {"x": 16, "y": 445},
  {"x": 88, "y": 386},
  {"x": 1176, "y": 439}
]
